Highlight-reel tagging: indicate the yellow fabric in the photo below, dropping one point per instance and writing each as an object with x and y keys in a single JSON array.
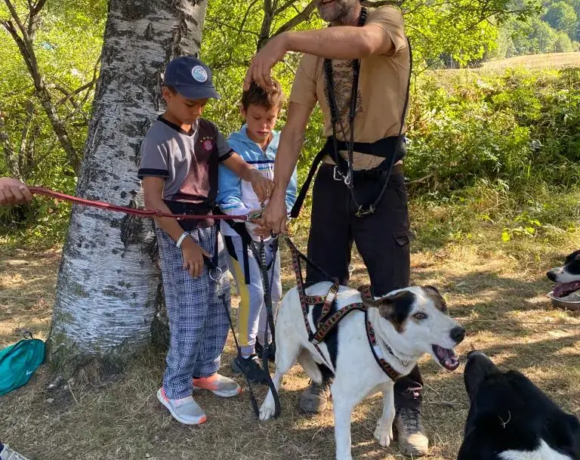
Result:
[{"x": 244, "y": 307}]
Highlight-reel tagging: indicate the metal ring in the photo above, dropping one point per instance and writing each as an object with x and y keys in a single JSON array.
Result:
[{"x": 217, "y": 277}]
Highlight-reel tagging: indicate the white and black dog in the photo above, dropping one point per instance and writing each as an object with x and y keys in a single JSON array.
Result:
[
  {"x": 567, "y": 276},
  {"x": 407, "y": 323},
  {"x": 512, "y": 419}
]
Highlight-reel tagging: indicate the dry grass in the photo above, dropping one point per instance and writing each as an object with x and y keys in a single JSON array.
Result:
[
  {"x": 498, "y": 297},
  {"x": 536, "y": 61}
]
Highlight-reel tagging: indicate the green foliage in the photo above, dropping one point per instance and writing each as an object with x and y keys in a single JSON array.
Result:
[
  {"x": 562, "y": 16},
  {"x": 476, "y": 139},
  {"x": 519, "y": 128},
  {"x": 67, "y": 44}
]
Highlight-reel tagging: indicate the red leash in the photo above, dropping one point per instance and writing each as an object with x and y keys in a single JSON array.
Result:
[{"x": 126, "y": 210}]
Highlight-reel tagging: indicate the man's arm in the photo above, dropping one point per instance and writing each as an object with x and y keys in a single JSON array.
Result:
[
  {"x": 342, "y": 42},
  {"x": 291, "y": 140}
]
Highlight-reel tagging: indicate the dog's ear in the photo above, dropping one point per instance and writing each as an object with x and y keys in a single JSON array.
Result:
[
  {"x": 394, "y": 308},
  {"x": 432, "y": 289},
  {"x": 438, "y": 300}
]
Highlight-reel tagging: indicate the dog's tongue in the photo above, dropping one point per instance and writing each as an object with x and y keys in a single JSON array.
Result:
[
  {"x": 565, "y": 289},
  {"x": 446, "y": 357}
]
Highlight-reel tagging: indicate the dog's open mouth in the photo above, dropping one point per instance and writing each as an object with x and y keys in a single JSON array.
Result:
[
  {"x": 565, "y": 289},
  {"x": 446, "y": 357}
]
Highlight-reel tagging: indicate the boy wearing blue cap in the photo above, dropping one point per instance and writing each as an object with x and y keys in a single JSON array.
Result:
[{"x": 179, "y": 169}]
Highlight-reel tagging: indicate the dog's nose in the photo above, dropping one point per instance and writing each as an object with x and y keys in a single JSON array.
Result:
[
  {"x": 551, "y": 276},
  {"x": 457, "y": 334}
]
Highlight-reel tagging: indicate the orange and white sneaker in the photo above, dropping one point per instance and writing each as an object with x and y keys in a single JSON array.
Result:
[
  {"x": 184, "y": 410},
  {"x": 218, "y": 385}
]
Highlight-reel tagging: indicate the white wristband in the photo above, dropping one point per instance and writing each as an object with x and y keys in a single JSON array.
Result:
[{"x": 181, "y": 238}]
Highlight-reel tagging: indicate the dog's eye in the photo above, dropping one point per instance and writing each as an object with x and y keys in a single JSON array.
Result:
[{"x": 420, "y": 316}]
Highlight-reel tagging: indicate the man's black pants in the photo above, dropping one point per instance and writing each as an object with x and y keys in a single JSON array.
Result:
[{"x": 382, "y": 240}]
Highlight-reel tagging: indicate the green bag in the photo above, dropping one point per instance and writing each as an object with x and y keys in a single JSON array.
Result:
[{"x": 19, "y": 361}]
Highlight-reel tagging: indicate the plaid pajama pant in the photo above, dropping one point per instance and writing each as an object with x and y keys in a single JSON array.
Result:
[{"x": 196, "y": 308}]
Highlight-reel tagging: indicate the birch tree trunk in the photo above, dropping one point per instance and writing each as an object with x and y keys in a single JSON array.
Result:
[{"x": 108, "y": 280}]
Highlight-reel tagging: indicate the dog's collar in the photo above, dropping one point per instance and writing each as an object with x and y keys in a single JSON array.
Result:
[{"x": 377, "y": 351}]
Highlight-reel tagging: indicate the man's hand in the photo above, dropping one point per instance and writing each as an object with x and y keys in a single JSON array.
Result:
[
  {"x": 263, "y": 62},
  {"x": 275, "y": 215},
  {"x": 193, "y": 257},
  {"x": 262, "y": 186},
  {"x": 262, "y": 231},
  {"x": 13, "y": 191}
]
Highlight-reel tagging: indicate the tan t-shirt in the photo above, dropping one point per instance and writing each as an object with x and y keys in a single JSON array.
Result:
[{"x": 381, "y": 91}]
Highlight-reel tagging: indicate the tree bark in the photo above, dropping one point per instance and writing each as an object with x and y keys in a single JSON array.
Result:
[{"x": 108, "y": 280}]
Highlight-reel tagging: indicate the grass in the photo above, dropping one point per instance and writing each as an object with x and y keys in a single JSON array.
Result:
[
  {"x": 536, "y": 61},
  {"x": 495, "y": 289}
]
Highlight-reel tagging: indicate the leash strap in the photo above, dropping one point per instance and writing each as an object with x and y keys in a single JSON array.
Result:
[
  {"x": 131, "y": 211},
  {"x": 213, "y": 266},
  {"x": 259, "y": 251}
]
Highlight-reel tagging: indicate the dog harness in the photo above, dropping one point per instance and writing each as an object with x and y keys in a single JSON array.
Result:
[{"x": 328, "y": 322}]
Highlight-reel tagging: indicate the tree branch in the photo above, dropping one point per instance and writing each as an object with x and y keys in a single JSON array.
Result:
[
  {"x": 25, "y": 46},
  {"x": 286, "y": 5},
  {"x": 379, "y": 3},
  {"x": 229, "y": 26},
  {"x": 298, "y": 19},
  {"x": 24, "y": 147},
  {"x": 69, "y": 95},
  {"x": 16, "y": 18},
  {"x": 266, "y": 24}
]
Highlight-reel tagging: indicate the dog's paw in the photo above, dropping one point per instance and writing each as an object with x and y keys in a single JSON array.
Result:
[
  {"x": 267, "y": 410},
  {"x": 384, "y": 435}
]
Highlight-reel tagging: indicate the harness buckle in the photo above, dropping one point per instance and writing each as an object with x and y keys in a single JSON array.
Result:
[
  {"x": 365, "y": 212},
  {"x": 337, "y": 175},
  {"x": 216, "y": 274},
  {"x": 348, "y": 177}
]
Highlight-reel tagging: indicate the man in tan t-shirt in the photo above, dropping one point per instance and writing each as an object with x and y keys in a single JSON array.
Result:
[{"x": 381, "y": 231}]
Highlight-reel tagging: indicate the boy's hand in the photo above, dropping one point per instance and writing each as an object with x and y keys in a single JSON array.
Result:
[
  {"x": 262, "y": 231},
  {"x": 13, "y": 191},
  {"x": 262, "y": 186},
  {"x": 193, "y": 257}
]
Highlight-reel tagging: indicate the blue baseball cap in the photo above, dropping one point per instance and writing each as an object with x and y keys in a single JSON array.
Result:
[{"x": 191, "y": 78}]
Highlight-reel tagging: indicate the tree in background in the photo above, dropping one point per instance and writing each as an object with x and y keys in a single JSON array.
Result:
[{"x": 562, "y": 17}]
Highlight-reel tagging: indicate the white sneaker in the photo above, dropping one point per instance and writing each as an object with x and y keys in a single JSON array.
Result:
[
  {"x": 219, "y": 385},
  {"x": 8, "y": 454},
  {"x": 184, "y": 410}
]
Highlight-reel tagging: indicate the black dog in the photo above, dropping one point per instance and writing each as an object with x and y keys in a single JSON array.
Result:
[
  {"x": 512, "y": 419},
  {"x": 567, "y": 276}
]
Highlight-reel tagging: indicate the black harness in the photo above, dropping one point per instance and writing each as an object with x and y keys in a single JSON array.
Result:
[
  {"x": 259, "y": 252},
  {"x": 391, "y": 148}
]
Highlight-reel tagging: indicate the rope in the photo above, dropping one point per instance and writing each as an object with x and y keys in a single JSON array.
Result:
[{"x": 132, "y": 211}]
